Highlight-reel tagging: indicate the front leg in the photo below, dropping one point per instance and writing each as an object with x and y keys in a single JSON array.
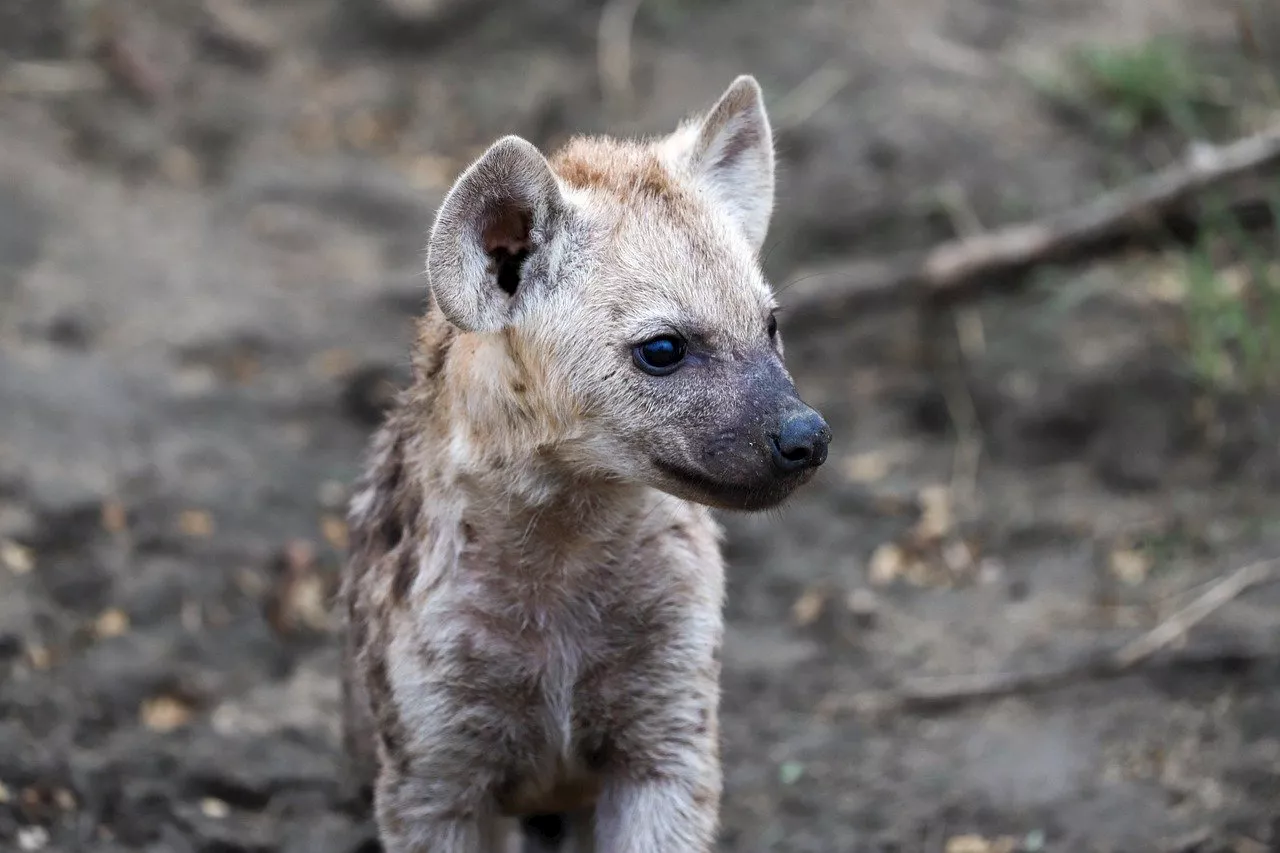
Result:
[
  {"x": 660, "y": 815},
  {"x": 413, "y": 817},
  {"x": 661, "y": 793}
]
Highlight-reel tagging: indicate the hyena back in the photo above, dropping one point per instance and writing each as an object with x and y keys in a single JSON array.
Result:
[{"x": 534, "y": 593}]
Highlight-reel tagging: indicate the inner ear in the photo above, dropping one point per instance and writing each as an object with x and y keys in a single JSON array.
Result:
[{"x": 506, "y": 240}]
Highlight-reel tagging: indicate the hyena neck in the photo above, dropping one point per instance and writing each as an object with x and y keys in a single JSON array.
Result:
[{"x": 493, "y": 464}]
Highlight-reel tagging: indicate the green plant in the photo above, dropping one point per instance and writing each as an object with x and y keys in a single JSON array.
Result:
[
  {"x": 1129, "y": 88},
  {"x": 1233, "y": 308}
]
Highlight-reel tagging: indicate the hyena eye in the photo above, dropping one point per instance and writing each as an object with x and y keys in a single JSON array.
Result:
[
  {"x": 659, "y": 356},
  {"x": 773, "y": 326}
]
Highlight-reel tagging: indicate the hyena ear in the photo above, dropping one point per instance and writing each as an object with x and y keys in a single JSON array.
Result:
[
  {"x": 496, "y": 221},
  {"x": 730, "y": 152}
]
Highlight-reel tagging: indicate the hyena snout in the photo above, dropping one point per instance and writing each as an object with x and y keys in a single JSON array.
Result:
[{"x": 801, "y": 441}]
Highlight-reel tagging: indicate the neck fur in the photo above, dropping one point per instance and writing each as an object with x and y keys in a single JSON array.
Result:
[{"x": 497, "y": 456}]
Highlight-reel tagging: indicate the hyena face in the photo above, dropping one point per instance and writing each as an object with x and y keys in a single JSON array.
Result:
[{"x": 623, "y": 279}]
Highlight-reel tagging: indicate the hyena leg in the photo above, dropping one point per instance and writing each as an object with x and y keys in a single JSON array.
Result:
[
  {"x": 413, "y": 818},
  {"x": 657, "y": 816}
]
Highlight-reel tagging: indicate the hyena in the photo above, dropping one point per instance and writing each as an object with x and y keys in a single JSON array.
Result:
[{"x": 535, "y": 587}]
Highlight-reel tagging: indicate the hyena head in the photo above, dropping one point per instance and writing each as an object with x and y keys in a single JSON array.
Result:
[{"x": 623, "y": 280}]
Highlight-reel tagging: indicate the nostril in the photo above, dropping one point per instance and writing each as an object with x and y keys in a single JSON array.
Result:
[
  {"x": 794, "y": 453},
  {"x": 801, "y": 442}
]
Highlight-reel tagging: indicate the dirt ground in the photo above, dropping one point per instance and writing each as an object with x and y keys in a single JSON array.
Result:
[{"x": 208, "y": 262}]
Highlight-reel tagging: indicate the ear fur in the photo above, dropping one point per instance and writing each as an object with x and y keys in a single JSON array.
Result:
[
  {"x": 501, "y": 211},
  {"x": 730, "y": 153}
]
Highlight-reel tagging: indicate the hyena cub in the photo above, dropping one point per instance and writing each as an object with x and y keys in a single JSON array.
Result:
[{"x": 535, "y": 586}]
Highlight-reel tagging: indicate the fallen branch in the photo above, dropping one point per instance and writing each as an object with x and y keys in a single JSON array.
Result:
[
  {"x": 950, "y": 691},
  {"x": 959, "y": 267},
  {"x": 1186, "y": 618}
]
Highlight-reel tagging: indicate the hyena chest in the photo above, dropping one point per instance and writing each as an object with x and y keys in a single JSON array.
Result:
[{"x": 554, "y": 687}]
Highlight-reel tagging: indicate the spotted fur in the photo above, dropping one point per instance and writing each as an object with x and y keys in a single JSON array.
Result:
[{"x": 534, "y": 591}]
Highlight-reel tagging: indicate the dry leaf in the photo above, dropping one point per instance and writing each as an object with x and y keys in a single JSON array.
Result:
[
  {"x": 958, "y": 556},
  {"x": 332, "y": 363},
  {"x": 111, "y": 623},
  {"x": 299, "y": 596},
  {"x": 978, "y": 844},
  {"x": 196, "y": 523},
  {"x": 309, "y": 603},
  {"x": 16, "y": 558},
  {"x": 920, "y": 574},
  {"x": 887, "y": 564},
  {"x": 165, "y": 714},
  {"x": 335, "y": 531},
  {"x": 114, "y": 517},
  {"x": 39, "y": 657},
  {"x": 808, "y": 607},
  {"x": 181, "y": 167},
  {"x": 1130, "y": 566},
  {"x": 867, "y": 467},
  {"x": 214, "y": 808},
  {"x": 428, "y": 171},
  {"x": 936, "y": 518}
]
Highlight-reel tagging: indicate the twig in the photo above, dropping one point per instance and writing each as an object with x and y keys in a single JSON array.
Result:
[
  {"x": 949, "y": 691},
  {"x": 613, "y": 50},
  {"x": 51, "y": 79},
  {"x": 1186, "y": 618},
  {"x": 957, "y": 268}
]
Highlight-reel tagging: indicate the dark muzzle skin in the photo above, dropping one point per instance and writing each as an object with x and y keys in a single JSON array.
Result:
[{"x": 755, "y": 442}]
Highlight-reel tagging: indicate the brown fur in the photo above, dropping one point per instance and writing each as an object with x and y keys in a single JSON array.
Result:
[{"x": 534, "y": 591}]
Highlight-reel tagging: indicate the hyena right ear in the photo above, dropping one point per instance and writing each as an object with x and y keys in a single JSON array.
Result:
[{"x": 502, "y": 211}]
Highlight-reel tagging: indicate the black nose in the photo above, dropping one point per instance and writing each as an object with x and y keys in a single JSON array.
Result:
[{"x": 801, "y": 442}]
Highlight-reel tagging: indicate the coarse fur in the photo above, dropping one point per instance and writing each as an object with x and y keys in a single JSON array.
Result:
[{"x": 534, "y": 592}]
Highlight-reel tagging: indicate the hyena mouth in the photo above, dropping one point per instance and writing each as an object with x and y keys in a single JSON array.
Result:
[{"x": 702, "y": 488}]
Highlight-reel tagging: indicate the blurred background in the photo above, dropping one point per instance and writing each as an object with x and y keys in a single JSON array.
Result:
[{"x": 212, "y": 215}]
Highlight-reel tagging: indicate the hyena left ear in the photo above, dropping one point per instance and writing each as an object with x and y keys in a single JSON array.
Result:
[
  {"x": 730, "y": 152},
  {"x": 491, "y": 234}
]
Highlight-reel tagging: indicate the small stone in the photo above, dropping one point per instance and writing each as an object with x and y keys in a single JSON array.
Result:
[
  {"x": 214, "y": 808},
  {"x": 32, "y": 838},
  {"x": 165, "y": 714},
  {"x": 790, "y": 772},
  {"x": 957, "y": 556},
  {"x": 865, "y": 607},
  {"x": 16, "y": 558},
  {"x": 111, "y": 623},
  {"x": 990, "y": 570}
]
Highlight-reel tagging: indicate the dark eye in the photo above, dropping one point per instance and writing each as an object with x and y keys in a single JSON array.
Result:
[
  {"x": 659, "y": 356},
  {"x": 773, "y": 326}
]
